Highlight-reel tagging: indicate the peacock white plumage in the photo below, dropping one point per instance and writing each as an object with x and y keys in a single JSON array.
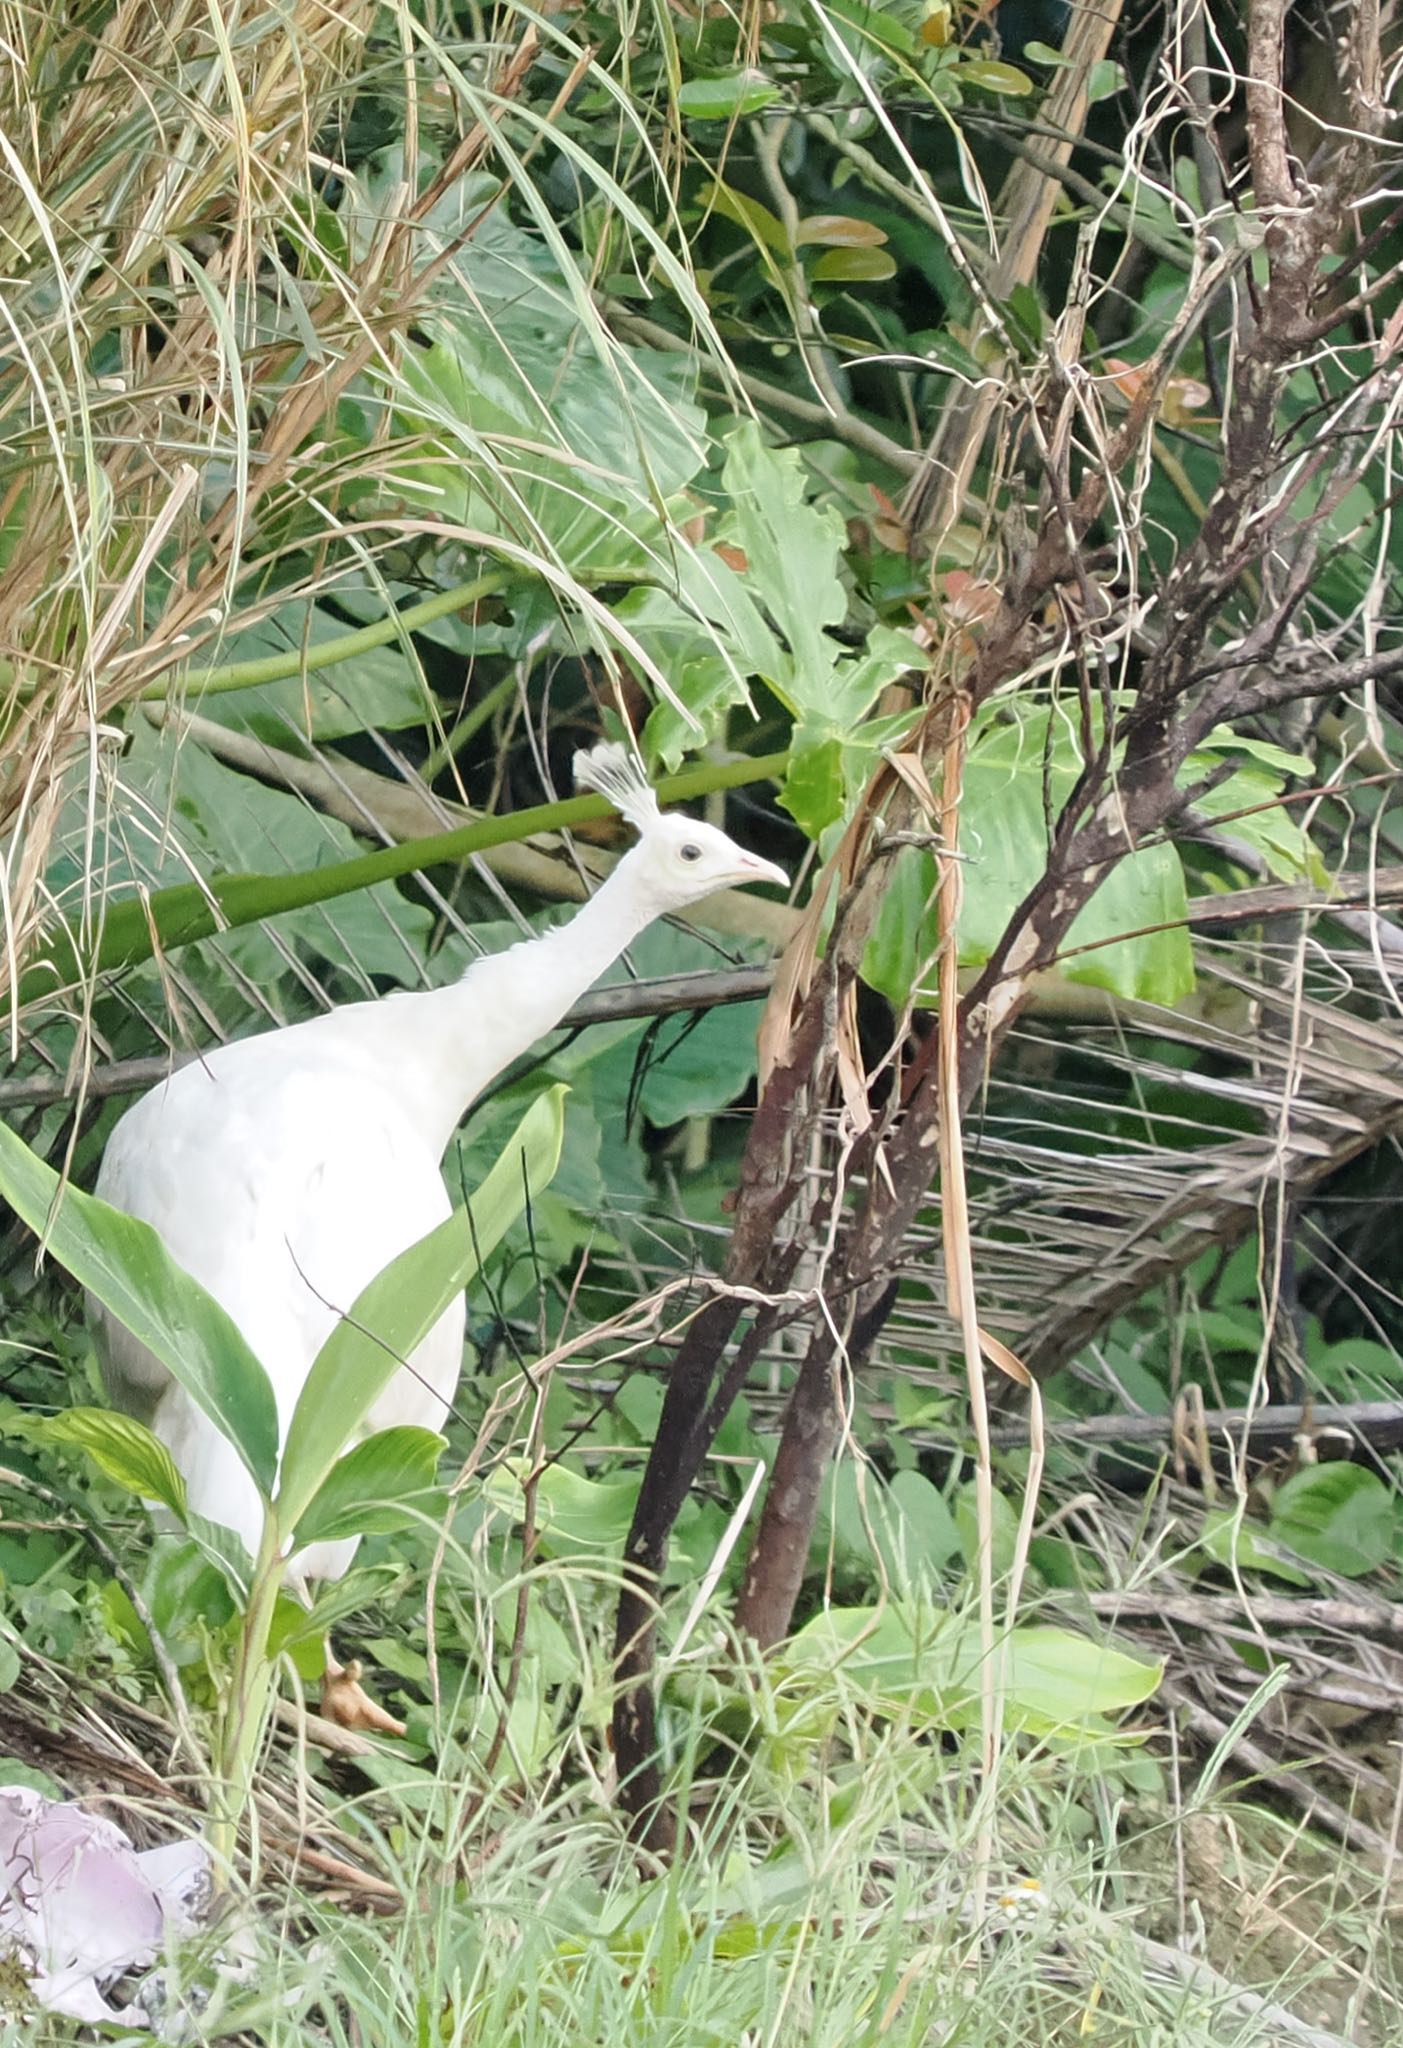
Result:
[{"x": 284, "y": 1171}]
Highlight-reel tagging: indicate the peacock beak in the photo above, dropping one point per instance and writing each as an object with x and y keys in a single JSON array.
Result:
[{"x": 750, "y": 868}]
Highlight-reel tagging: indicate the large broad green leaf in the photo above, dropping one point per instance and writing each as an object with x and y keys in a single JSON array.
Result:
[
  {"x": 580, "y": 1518},
  {"x": 901, "y": 1655},
  {"x": 401, "y": 1305},
  {"x": 125, "y": 1449},
  {"x": 221, "y": 824},
  {"x": 904, "y": 1523},
  {"x": 1131, "y": 938},
  {"x": 1248, "y": 803},
  {"x": 778, "y": 557},
  {"x": 369, "y": 1491},
  {"x": 697, "y": 1066},
  {"x": 536, "y": 439},
  {"x": 791, "y": 551},
  {"x": 126, "y": 1265},
  {"x": 1061, "y": 1677},
  {"x": 378, "y": 690},
  {"x": 1341, "y": 1516}
]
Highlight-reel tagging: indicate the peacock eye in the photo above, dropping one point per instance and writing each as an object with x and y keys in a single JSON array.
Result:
[{"x": 691, "y": 853}]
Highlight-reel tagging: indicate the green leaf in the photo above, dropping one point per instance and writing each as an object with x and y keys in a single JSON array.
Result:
[
  {"x": 575, "y": 1516},
  {"x": 358, "y": 1496},
  {"x": 1042, "y": 53},
  {"x": 927, "y": 1525},
  {"x": 599, "y": 449},
  {"x": 1247, "y": 803},
  {"x": 759, "y": 223},
  {"x": 991, "y": 76},
  {"x": 1106, "y": 79},
  {"x": 12, "y": 1772},
  {"x": 839, "y": 231},
  {"x": 698, "y": 1066},
  {"x": 1025, "y": 312},
  {"x": 901, "y": 1656},
  {"x": 726, "y": 96},
  {"x": 1222, "y": 739},
  {"x": 125, "y": 1449},
  {"x": 379, "y": 690},
  {"x": 859, "y": 679},
  {"x": 578, "y": 1517},
  {"x": 792, "y": 551},
  {"x": 223, "y": 823},
  {"x": 1341, "y": 1516},
  {"x": 1238, "y": 1546},
  {"x": 904, "y": 1521},
  {"x": 853, "y": 266},
  {"x": 1130, "y": 938},
  {"x": 1065, "y": 1678},
  {"x": 401, "y": 1305},
  {"x": 188, "y": 1595},
  {"x": 127, "y": 1267},
  {"x": 813, "y": 788},
  {"x": 1003, "y": 1527},
  {"x": 880, "y": 27},
  {"x": 706, "y": 673}
]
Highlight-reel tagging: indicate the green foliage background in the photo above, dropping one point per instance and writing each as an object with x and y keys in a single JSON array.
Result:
[{"x": 391, "y": 401}]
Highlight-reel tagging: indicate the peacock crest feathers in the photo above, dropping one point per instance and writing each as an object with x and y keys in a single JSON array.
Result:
[{"x": 615, "y": 773}]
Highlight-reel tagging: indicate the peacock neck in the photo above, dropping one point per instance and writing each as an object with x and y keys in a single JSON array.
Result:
[{"x": 507, "y": 1001}]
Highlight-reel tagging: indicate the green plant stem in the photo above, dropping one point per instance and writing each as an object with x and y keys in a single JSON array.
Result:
[
  {"x": 245, "y": 1705},
  {"x": 472, "y": 721},
  {"x": 132, "y": 931},
  {"x": 297, "y": 661}
]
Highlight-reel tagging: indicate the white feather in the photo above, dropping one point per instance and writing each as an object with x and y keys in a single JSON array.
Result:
[{"x": 618, "y": 775}]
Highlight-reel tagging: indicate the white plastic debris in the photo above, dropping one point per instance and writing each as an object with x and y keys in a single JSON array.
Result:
[{"x": 80, "y": 1908}]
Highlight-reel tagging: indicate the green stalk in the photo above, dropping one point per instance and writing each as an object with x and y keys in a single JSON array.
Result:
[
  {"x": 477, "y": 715},
  {"x": 297, "y": 661},
  {"x": 245, "y": 1704}
]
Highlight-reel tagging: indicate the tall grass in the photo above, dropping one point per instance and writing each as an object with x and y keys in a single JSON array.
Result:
[{"x": 218, "y": 227}]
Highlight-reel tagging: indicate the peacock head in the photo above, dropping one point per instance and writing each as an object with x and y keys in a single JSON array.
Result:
[{"x": 683, "y": 859}]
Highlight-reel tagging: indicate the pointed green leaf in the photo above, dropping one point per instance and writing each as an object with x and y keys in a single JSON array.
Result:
[
  {"x": 748, "y": 213},
  {"x": 358, "y": 1496},
  {"x": 853, "y": 266},
  {"x": 125, "y": 1449},
  {"x": 1052, "y": 1678},
  {"x": 126, "y": 1265},
  {"x": 992, "y": 76},
  {"x": 734, "y": 94},
  {"x": 401, "y": 1305},
  {"x": 839, "y": 231}
]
